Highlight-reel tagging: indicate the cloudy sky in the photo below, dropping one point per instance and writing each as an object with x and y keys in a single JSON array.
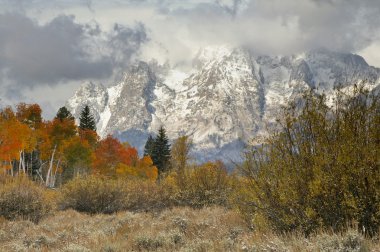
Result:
[{"x": 49, "y": 47}]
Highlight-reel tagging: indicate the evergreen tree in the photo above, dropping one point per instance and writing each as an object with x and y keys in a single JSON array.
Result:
[
  {"x": 87, "y": 121},
  {"x": 64, "y": 113},
  {"x": 161, "y": 151},
  {"x": 149, "y": 146}
]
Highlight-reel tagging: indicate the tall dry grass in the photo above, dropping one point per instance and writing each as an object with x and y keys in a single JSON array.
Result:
[
  {"x": 103, "y": 195},
  {"x": 176, "y": 229},
  {"x": 142, "y": 216}
]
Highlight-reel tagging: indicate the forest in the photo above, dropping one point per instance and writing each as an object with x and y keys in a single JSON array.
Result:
[{"x": 318, "y": 171}]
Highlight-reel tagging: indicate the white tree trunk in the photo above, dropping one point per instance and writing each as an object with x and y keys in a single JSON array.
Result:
[
  {"x": 10, "y": 161},
  {"x": 23, "y": 162},
  {"x": 54, "y": 178},
  {"x": 48, "y": 175},
  {"x": 19, "y": 163}
]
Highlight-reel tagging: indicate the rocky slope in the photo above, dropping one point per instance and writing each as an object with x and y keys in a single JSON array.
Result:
[{"x": 229, "y": 97}]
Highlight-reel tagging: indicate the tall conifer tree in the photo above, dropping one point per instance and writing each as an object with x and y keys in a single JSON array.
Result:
[
  {"x": 161, "y": 151},
  {"x": 86, "y": 119},
  {"x": 64, "y": 113},
  {"x": 149, "y": 146}
]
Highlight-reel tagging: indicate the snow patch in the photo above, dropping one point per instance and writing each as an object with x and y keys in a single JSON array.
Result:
[{"x": 174, "y": 80}]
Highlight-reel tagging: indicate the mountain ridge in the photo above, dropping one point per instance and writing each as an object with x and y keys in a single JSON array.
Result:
[{"x": 229, "y": 97}]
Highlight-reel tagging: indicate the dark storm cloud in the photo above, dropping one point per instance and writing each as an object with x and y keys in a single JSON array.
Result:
[
  {"x": 125, "y": 42},
  {"x": 61, "y": 50}
]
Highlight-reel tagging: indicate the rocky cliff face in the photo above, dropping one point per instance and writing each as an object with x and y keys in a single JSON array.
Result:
[{"x": 229, "y": 97}]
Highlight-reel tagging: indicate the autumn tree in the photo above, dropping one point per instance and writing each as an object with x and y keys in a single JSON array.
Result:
[
  {"x": 16, "y": 139},
  {"x": 86, "y": 120},
  {"x": 146, "y": 169},
  {"x": 180, "y": 156},
  {"x": 77, "y": 158},
  {"x": 141, "y": 169},
  {"x": 110, "y": 153},
  {"x": 53, "y": 137},
  {"x": 29, "y": 114}
]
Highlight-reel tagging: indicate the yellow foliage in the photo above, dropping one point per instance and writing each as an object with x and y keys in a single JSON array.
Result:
[
  {"x": 143, "y": 169},
  {"x": 322, "y": 169},
  {"x": 203, "y": 185}
]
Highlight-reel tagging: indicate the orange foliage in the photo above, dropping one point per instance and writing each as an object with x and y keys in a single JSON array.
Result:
[
  {"x": 53, "y": 135},
  {"x": 62, "y": 145},
  {"x": 14, "y": 137},
  {"x": 110, "y": 153},
  {"x": 44, "y": 143},
  {"x": 147, "y": 169},
  {"x": 143, "y": 168},
  {"x": 29, "y": 114},
  {"x": 89, "y": 135}
]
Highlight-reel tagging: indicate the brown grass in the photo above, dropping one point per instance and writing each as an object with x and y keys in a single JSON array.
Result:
[
  {"x": 178, "y": 229},
  {"x": 153, "y": 222}
]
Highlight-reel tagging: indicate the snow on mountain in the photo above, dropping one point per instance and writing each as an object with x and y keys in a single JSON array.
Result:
[
  {"x": 229, "y": 97},
  {"x": 96, "y": 97}
]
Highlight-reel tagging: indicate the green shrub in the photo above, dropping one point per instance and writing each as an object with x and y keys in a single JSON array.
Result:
[
  {"x": 22, "y": 199},
  {"x": 93, "y": 195}
]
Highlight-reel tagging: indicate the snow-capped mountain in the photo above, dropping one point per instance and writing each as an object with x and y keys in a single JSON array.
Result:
[{"x": 229, "y": 97}]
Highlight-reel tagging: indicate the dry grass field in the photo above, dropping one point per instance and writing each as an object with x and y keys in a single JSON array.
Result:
[{"x": 177, "y": 229}]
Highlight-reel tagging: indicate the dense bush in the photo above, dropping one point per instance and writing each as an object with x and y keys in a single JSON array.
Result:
[
  {"x": 21, "y": 198},
  {"x": 322, "y": 169},
  {"x": 104, "y": 195},
  {"x": 206, "y": 185},
  {"x": 93, "y": 195},
  {"x": 200, "y": 186},
  {"x": 145, "y": 195}
]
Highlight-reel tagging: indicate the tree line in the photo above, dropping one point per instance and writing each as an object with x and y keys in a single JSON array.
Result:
[{"x": 55, "y": 151}]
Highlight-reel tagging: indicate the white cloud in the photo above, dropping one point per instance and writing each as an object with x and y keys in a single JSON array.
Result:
[{"x": 372, "y": 54}]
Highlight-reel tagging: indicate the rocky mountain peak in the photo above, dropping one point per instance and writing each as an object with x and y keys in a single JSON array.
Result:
[
  {"x": 230, "y": 97},
  {"x": 91, "y": 94}
]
